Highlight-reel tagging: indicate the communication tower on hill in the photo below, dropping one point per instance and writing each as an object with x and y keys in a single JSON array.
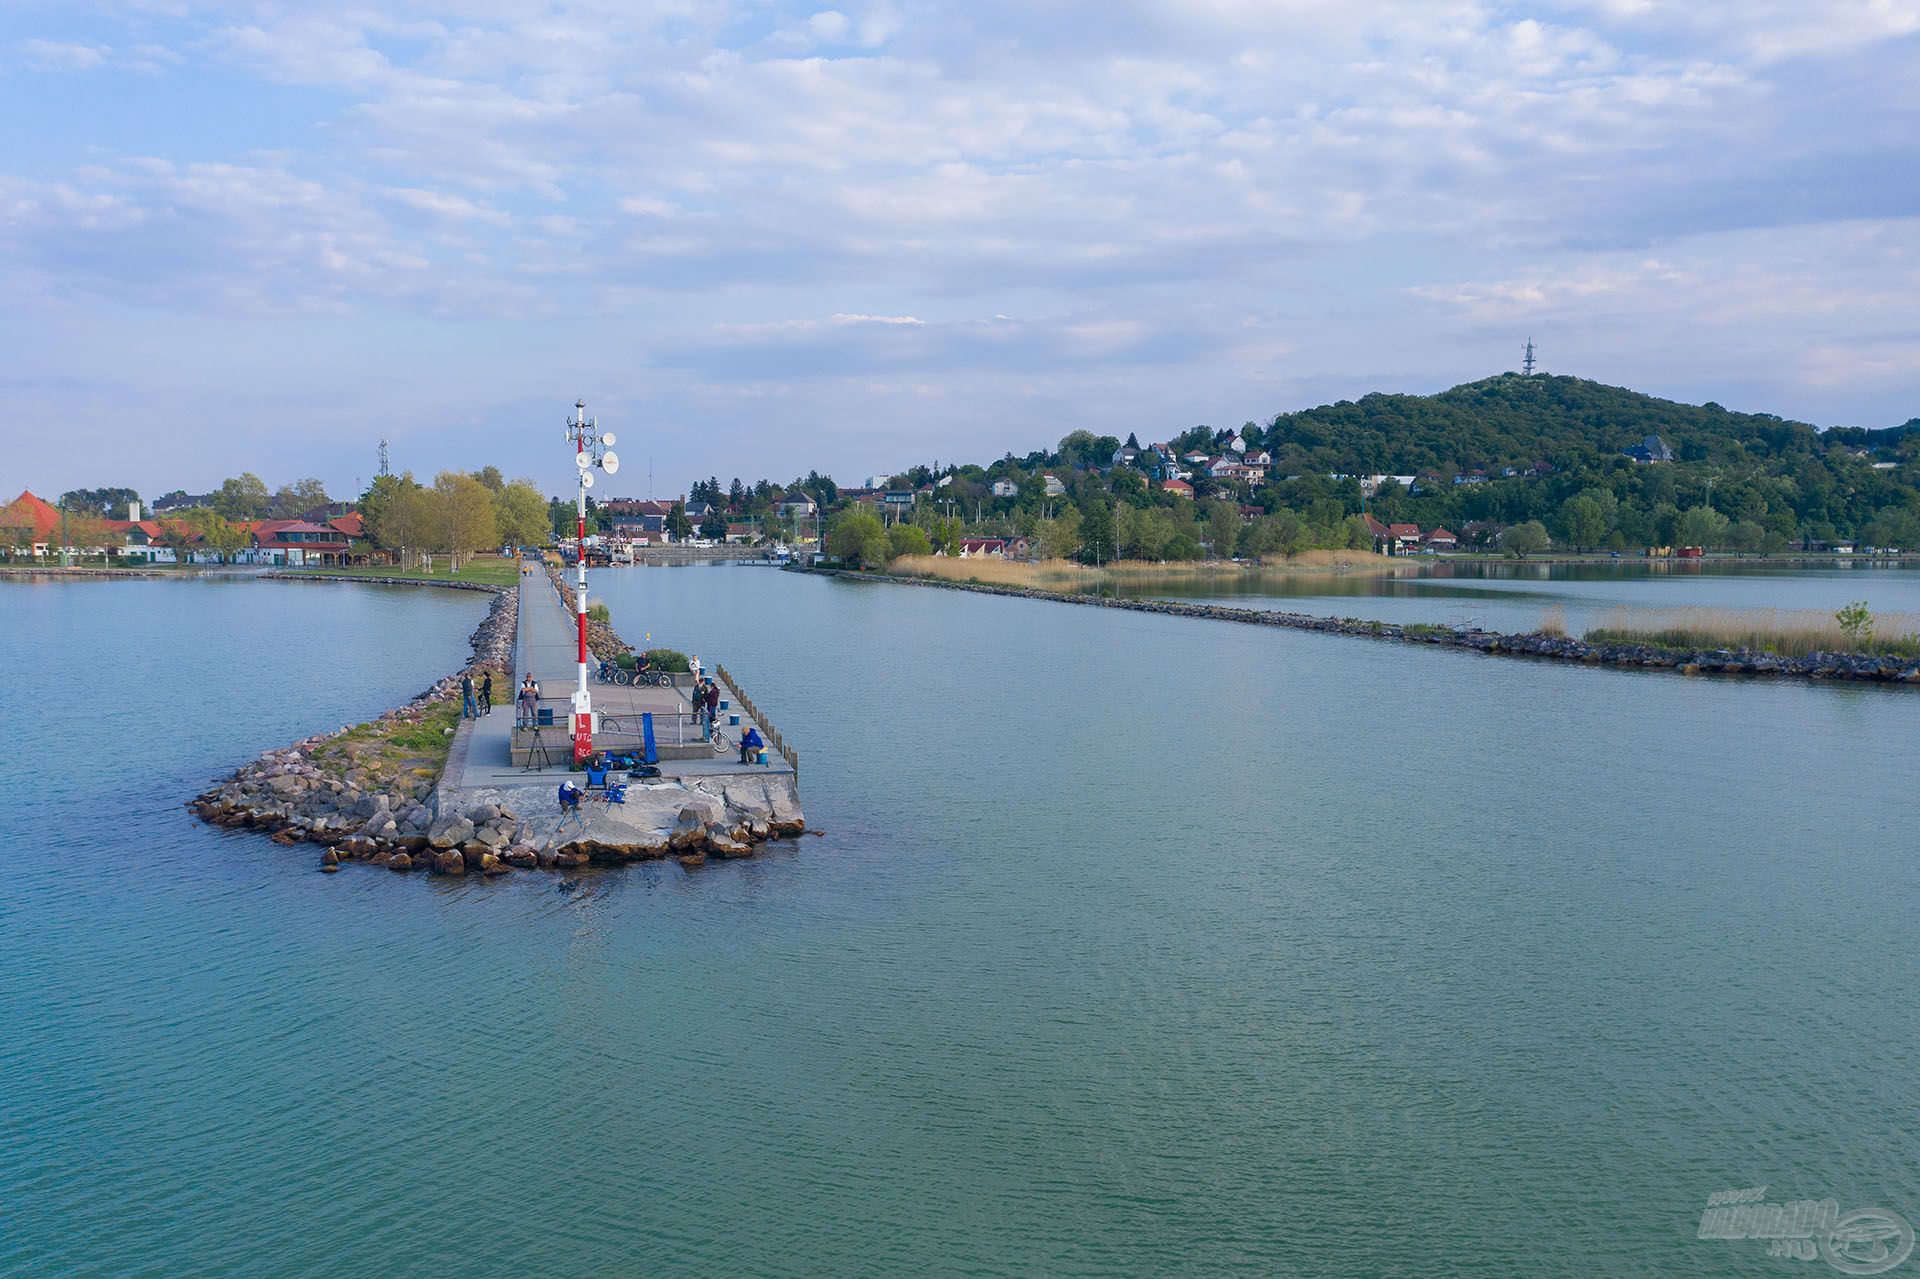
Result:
[
  {"x": 1526, "y": 369},
  {"x": 384, "y": 468}
]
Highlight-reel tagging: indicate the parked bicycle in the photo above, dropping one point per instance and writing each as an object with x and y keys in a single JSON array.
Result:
[{"x": 611, "y": 673}]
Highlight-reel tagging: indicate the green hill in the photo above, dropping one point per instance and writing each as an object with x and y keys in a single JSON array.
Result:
[{"x": 1517, "y": 421}]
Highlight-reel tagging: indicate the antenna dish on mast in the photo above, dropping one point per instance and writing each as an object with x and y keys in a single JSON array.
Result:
[
  {"x": 586, "y": 479},
  {"x": 583, "y": 460},
  {"x": 610, "y": 463},
  {"x": 608, "y": 439}
]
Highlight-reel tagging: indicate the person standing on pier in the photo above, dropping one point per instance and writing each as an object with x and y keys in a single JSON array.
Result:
[
  {"x": 486, "y": 693},
  {"x": 466, "y": 696},
  {"x": 713, "y": 703},
  {"x": 529, "y": 701}
]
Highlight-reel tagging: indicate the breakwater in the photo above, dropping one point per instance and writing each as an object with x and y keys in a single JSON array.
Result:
[
  {"x": 362, "y": 580},
  {"x": 1630, "y": 656},
  {"x": 367, "y": 791}
]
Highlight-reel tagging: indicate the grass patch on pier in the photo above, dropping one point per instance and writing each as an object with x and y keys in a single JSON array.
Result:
[
  {"x": 1783, "y": 632},
  {"x": 413, "y": 752}
]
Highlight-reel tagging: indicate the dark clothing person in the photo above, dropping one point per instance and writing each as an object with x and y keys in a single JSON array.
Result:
[
  {"x": 713, "y": 699},
  {"x": 466, "y": 698},
  {"x": 486, "y": 693},
  {"x": 750, "y": 745},
  {"x": 569, "y": 797}
]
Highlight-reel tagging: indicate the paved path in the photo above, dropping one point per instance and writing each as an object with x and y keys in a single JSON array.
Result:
[{"x": 547, "y": 643}]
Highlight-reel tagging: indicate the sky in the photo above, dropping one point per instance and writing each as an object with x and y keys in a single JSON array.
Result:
[{"x": 760, "y": 237}]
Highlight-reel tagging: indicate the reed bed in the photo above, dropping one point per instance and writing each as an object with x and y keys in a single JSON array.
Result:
[
  {"x": 1783, "y": 632},
  {"x": 1066, "y": 575}
]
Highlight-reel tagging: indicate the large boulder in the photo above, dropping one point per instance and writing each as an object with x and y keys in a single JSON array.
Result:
[
  {"x": 401, "y": 862},
  {"x": 450, "y": 832},
  {"x": 450, "y": 863}
]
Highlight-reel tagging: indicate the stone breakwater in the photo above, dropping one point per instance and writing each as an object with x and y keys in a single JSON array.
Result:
[
  {"x": 602, "y": 640},
  {"x": 328, "y": 790},
  {"x": 1840, "y": 666},
  {"x": 360, "y": 580}
]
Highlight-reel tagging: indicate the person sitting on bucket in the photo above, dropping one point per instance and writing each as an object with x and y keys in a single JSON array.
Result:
[{"x": 750, "y": 745}]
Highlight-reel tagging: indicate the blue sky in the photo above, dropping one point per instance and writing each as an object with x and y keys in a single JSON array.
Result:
[{"x": 760, "y": 236}]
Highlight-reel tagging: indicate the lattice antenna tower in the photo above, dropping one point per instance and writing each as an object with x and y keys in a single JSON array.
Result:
[
  {"x": 1526, "y": 363},
  {"x": 384, "y": 468}
]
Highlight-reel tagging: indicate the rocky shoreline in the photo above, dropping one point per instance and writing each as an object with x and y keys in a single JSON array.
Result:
[
  {"x": 304, "y": 576},
  {"x": 1813, "y": 666},
  {"x": 363, "y": 812},
  {"x": 317, "y": 791}
]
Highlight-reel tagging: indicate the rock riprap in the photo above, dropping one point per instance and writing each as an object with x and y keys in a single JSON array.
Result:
[{"x": 1719, "y": 661}]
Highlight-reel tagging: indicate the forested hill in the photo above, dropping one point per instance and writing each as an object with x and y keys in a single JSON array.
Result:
[{"x": 1516, "y": 421}]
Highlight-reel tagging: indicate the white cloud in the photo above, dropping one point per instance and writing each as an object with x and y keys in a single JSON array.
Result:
[{"x": 60, "y": 55}]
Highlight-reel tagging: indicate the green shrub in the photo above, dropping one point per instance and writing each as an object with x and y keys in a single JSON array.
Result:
[
  {"x": 671, "y": 660},
  {"x": 626, "y": 661},
  {"x": 598, "y": 613}
]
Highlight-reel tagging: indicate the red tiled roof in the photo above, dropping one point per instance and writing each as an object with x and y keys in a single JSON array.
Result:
[
  {"x": 28, "y": 509},
  {"x": 353, "y": 524},
  {"x": 1404, "y": 530}
]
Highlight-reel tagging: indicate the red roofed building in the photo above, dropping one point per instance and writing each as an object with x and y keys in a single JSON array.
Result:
[
  {"x": 1179, "y": 488},
  {"x": 1441, "y": 540},
  {"x": 1403, "y": 538},
  {"x": 34, "y": 520},
  {"x": 976, "y": 547}
]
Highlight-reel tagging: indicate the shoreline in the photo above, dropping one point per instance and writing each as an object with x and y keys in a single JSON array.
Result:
[{"x": 1815, "y": 666}]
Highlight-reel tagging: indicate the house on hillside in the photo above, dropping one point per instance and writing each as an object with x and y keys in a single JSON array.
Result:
[
  {"x": 1019, "y": 548},
  {"x": 1179, "y": 488},
  {"x": 1651, "y": 449},
  {"x": 1403, "y": 539},
  {"x": 1441, "y": 540},
  {"x": 1054, "y": 486},
  {"x": 983, "y": 547},
  {"x": 1005, "y": 488}
]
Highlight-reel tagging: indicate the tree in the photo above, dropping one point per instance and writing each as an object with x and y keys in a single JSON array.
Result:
[
  {"x": 1097, "y": 534},
  {"x": 679, "y": 527},
  {"x": 1586, "y": 517},
  {"x": 298, "y": 498},
  {"x": 714, "y": 524},
  {"x": 407, "y": 526},
  {"x": 1059, "y": 539},
  {"x": 110, "y": 503},
  {"x": 1522, "y": 540},
  {"x": 491, "y": 479},
  {"x": 520, "y": 514},
  {"x": 222, "y": 536},
  {"x": 1747, "y": 536},
  {"x": 858, "y": 537},
  {"x": 462, "y": 512},
  {"x": 1700, "y": 526},
  {"x": 1223, "y": 527},
  {"x": 907, "y": 539},
  {"x": 244, "y": 497}
]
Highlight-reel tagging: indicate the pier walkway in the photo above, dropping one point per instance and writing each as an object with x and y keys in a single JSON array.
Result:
[{"x": 547, "y": 644}]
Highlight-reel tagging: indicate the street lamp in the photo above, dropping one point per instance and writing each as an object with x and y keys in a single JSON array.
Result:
[{"x": 591, "y": 451}]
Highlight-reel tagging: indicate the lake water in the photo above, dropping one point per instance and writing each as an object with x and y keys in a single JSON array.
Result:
[
  {"x": 1507, "y": 596},
  {"x": 1134, "y": 945}
]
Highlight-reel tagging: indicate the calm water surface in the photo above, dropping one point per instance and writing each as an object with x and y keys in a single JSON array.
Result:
[
  {"x": 1505, "y": 596},
  {"x": 1135, "y": 945}
]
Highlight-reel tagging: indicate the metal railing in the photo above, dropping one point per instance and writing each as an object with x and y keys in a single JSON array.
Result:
[{"x": 774, "y": 739}]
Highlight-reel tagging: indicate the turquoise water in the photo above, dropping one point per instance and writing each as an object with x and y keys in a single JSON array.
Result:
[
  {"x": 1504, "y": 596},
  {"x": 1134, "y": 945}
]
